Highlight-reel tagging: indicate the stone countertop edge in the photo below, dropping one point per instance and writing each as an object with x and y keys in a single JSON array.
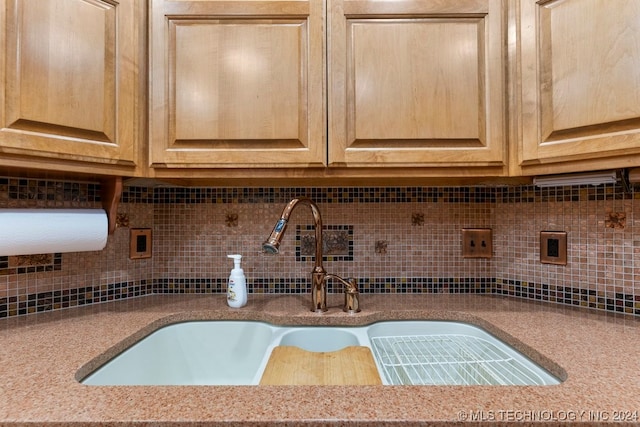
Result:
[{"x": 42, "y": 356}]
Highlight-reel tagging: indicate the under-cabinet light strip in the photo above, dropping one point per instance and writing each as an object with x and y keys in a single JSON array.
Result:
[{"x": 591, "y": 178}]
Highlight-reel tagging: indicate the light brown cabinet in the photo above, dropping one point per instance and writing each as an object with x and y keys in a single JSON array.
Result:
[
  {"x": 417, "y": 83},
  {"x": 310, "y": 89},
  {"x": 72, "y": 87},
  {"x": 578, "y": 92},
  {"x": 410, "y": 83},
  {"x": 237, "y": 84}
]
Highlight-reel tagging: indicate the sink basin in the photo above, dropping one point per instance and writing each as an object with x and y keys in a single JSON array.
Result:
[
  {"x": 449, "y": 353},
  {"x": 237, "y": 352},
  {"x": 319, "y": 339},
  {"x": 191, "y": 353}
]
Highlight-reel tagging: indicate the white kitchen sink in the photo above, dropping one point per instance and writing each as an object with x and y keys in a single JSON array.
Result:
[{"x": 236, "y": 353}]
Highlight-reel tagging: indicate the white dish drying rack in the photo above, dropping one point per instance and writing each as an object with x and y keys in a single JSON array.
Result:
[{"x": 450, "y": 360}]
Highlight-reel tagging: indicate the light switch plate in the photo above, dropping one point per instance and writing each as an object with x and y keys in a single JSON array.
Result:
[
  {"x": 477, "y": 243},
  {"x": 553, "y": 247}
]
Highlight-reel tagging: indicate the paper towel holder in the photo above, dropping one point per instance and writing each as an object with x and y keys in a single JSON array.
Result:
[{"x": 111, "y": 191}]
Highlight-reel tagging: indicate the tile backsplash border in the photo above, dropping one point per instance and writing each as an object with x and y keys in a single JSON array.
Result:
[{"x": 23, "y": 192}]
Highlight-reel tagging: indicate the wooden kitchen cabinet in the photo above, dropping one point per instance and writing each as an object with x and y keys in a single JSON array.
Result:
[
  {"x": 237, "y": 84},
  {"x": 417, "y": 83},
  {"x": 577, "y": 102},
  {"x": 72, "y": 86},
  {"x": 411, "y": 83}
]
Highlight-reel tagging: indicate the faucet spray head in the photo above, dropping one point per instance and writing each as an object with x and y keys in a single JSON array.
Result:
[
  {"x": 272, "y": 244},
  {"x": 271, "y": 247}
]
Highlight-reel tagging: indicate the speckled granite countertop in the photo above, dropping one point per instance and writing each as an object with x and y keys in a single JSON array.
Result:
[{"x": 598, "y": 354}]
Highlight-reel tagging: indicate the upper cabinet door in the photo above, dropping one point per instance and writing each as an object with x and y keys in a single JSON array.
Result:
[
  {"x": 70, "y": 81},
  {"x": 417, "y": 83},
  {"x": 237, "y": 83},
  {"x": 580, "y": 84}
]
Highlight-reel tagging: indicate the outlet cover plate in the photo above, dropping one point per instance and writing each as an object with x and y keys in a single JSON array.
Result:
[
  {"x": 553, "y": 247},
  {"x": 140, "y": 243},
  {"x": 477, "y": 243}
]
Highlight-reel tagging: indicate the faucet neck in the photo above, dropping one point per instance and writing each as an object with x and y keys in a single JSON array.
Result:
[
  {"x": 319, "y": 274},
  {"x": 317, "y": 223}
]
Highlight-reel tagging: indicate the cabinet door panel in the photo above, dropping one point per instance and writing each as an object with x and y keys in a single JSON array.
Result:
[
  {"x": 417, "y": 83},
  {"x": 232, "y": 91},
  {"x": 413, "y": 94},
  {"x": 245, "y": 81},
  {"x": 70, "y": 80},
  {"x": 580, "y": 80}
]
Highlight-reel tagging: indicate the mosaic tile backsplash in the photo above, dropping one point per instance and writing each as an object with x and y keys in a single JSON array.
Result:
[{"x": 392, "y": 240}]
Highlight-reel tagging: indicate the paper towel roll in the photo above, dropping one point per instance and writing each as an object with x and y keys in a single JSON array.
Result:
[{"x": 43, "y": 231}]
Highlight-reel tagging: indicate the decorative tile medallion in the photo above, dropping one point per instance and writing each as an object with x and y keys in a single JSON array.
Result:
[
  {"x": 337, "y": 243},
  {"x": 616, "y": 220}
]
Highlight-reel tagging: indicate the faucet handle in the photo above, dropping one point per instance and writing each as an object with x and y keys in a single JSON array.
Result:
[
  {"x": 351, "y": 293},
  {"x": 351, "y": 297}
]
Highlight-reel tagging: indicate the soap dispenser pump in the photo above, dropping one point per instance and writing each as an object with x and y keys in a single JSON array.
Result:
[{"x": 237, "y": 288}]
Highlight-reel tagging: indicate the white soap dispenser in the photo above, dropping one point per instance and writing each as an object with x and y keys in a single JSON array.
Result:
[{"x": 237, "y": 288}]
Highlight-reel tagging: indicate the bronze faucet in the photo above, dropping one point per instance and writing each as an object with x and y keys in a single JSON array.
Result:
[{"x": 319, "y": 275}]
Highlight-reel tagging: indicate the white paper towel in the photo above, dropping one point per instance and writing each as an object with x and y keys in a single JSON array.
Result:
[{"x": 43, "y": 231}]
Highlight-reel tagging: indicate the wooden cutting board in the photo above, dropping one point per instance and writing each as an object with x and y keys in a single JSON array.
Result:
[{"x": 295, "y": 366}]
